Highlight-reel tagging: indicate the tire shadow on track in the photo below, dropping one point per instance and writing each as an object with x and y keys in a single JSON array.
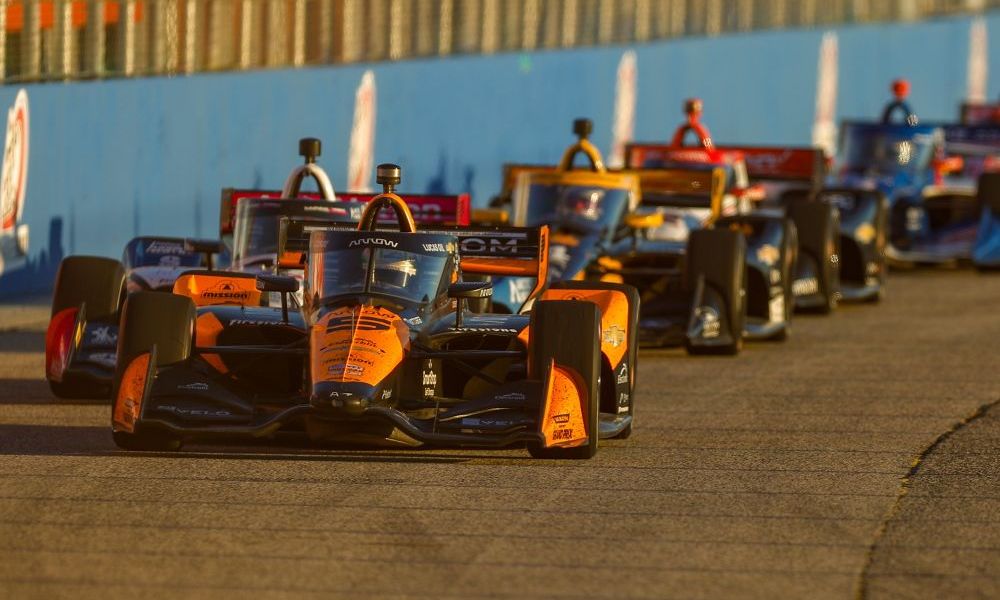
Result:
[{"x": 36, "y": 391}]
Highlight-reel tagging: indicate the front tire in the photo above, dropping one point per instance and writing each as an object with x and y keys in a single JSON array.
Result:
[{"x": 569, "y": 332}]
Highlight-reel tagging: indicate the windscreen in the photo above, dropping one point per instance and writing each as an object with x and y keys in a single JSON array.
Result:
[
  {"x": 257, "y": 226},
  {"x": 584, "y": 208},
  {"x": 151, "y": 252},
  {"x": 415, "y": 268},
  {"x": 886, "y": 150}
]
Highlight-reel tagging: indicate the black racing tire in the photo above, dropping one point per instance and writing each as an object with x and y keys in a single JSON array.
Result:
[
  {"x": 720, "y": 256},
  {"x": 98, "y": 284},
  {"x": 95, "y": 281},
  {"x": 633, "y": 344},
  {"x": 988, "y": 191},
  {"x": 818, "y": 226},
  {"x": 568, "y": 331},
  {"x": 153, "y": 319}
]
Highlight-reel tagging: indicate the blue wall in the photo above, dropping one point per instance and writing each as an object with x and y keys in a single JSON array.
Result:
[{"x": 111, "y": 160}]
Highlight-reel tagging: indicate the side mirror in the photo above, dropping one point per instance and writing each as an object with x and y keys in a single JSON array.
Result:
[
  {"x": 281, "y": 284},
  {"x": 465, "y": 291}
]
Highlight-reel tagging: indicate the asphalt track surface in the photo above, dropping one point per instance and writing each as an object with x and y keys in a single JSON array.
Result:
[{"x": 859, "y": 458}]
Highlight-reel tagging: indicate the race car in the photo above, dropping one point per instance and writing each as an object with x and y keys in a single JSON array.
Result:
[
  {"x": 82, "y": 335},
  {"x": 605, "y": 228},
  {"x": 386, "y": 350},
  {"x": 810, "y": 227},
  {"x": 932, "y": 219},
  {"x": 830, "y": 268}
]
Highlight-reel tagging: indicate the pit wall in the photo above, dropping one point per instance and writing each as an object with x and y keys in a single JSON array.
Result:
[{"x": 114, "y": 159}]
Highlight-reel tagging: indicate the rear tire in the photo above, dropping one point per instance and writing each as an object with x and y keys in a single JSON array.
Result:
[
  {"x": 98, "y": 284},
  {"x": 148, "y": 319},
  {"x": 568, "y": 331},
  {"x": 720, "y": 255}
]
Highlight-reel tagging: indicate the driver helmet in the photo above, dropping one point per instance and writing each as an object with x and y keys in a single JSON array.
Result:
[{"x": 581, "y": 203}]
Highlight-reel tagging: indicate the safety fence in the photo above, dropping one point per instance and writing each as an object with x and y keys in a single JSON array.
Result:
[{"x": 50, "y": 40}]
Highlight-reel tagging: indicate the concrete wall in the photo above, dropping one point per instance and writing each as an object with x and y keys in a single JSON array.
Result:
[{"x": 115, "y": 159}]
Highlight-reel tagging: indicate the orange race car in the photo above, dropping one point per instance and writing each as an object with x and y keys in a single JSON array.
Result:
[{"x": 394, "y": 345}]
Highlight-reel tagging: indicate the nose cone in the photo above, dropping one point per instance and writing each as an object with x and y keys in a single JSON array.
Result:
[{"x": 342, "y": 399}]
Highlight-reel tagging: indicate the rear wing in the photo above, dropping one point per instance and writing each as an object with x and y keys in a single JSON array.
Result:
[
  {"x": 428, "y": 209},
  {"x": 658, "y": 185},
  {"x": 979, "y": 114},
  {"x": 645, "y": 155},
  {"x": 803, "y": 164}
]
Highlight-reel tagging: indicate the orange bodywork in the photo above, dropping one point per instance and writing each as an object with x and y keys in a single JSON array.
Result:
[
  {"x": 131, "y": 391},
  {"x": 209, "y": 290},
  {"x": 206, "y": 333},
  {"x": 563, "y": 418},
  {"x": 614, "y": 317},
  {"x": 60, "y": 339},
  {"x": 357, "y": 344}
]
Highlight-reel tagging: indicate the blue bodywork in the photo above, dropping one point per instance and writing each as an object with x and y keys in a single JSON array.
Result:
[{"x": 927, "y": 224}]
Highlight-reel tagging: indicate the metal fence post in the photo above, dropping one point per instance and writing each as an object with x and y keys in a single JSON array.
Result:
[
  {"x": 299, "y": 33},
  {"x": 126, "y": 25},
  {"x": 31, "y": 42},
  {"x": 94, "y": 39},
  {"x": 446, "y": 26}
]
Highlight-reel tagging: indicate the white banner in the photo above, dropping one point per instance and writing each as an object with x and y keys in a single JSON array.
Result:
[
  {"x": 361, "y": 156},
  {"x": 824, "y": 133},
  {"x": 624, "y": 118}
]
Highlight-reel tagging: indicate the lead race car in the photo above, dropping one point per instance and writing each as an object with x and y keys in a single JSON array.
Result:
[{"x": 385, "y": 349}]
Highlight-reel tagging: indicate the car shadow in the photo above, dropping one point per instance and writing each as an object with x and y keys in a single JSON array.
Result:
[
  {"x": 22, "y": 340},
  {"x": 77, "y": 440}
]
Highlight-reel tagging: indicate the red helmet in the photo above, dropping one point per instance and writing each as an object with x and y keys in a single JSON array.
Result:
[{"x": 900, "y": 88}]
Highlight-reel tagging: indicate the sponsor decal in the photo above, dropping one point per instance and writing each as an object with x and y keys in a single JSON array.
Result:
[
  {"x": 373, "y": 242},
  {"x": 865, "y": 233},
  {"x": 709, "y": 318},
  {"x": 623, "y": 398},
  {"x": 429, "y": 378},
  {"x": 824, "y": 133},
  {"x": 510, "y": 397},
  {"x": 561, "y": 418},
  {"x": 341, "y": 369},
  {"x": 226, "y": 290},
  {"x": 493, "y": 245},
  {"x": 194, "y": 387},
  {"x": 107, "y": 359},
  {"x": 13, "y": 184},
  {"x": 520, "y": 289},
  {"x": 776, "y": 306},
  {"x": 805, "y": 287},
  {"x": 387, "y": 394},
  {"x": 768, "y": 254},
  {"x": 624, "y": 118},
  {"x": 489, "y": 329},
  {"x": 104, "y": 336},
  {"x": 914, "y": 218},
  {"x": 613, "y": 335},
  {"x": 622, "y": 374},
  {"x": 414, "y": 321},
  {"x": 162, "y": 247},
  {"x": 434, "y": 248},
  {"x": 193, "y": 412},
  {"x": 361, "y": 157},
  {"x": 563, "y": 434},
  {"x": 254, "y": 322}
]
